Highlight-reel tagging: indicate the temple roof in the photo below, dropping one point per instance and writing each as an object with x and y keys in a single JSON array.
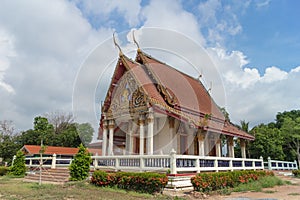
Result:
[{"x": 176, "y": 94}]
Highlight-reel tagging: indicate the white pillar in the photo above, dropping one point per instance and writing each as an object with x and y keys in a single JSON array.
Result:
[
  {"x": 201, "y": 137},
  {"x": 142, "y": 134},
  {"x": 230, "y": 144},
  {"x": 104, "y": 138},
  {"x": 218, "y": 147},
  {"x": 111, "y": 128},
  {"x": 172, "y": 137},
  {"x": 131, "y": 137},
  {"x": 243, "y": 148},
  {"x": 150, "y": 132}
]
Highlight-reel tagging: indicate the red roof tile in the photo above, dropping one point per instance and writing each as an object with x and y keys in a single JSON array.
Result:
[{"x": 50, "y": 150}]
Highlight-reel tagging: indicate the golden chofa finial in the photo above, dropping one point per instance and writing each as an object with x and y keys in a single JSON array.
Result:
[
  {"x": 117, "y": 45},
  {"x": 135, "y": 42}
]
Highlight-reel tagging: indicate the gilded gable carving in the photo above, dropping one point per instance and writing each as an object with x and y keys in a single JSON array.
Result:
[{"x": 127, "y": 97}]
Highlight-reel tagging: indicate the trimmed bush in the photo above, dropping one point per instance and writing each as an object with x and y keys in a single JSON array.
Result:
[
  {"x": 3, "y": 170},
  {"x": 140, "y": 182},
  {"x": 206, "y": 182},
  {"x": 19, "y": 167},
  {"x": 80, "y": 166},
  {"x": 296, "y": 173}
]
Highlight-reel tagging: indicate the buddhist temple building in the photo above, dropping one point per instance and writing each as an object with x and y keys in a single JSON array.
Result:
[{"x": 151, "y": 108}]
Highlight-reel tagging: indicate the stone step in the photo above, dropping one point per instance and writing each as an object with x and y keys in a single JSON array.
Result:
[
  {"x": 48, "y": 175},
  {"x": 179, "y": 182}
]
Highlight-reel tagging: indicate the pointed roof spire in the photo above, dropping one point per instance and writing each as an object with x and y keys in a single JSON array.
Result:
[
  {"x": 135, "y": 42},
  {"x": 117, "y": 45}
]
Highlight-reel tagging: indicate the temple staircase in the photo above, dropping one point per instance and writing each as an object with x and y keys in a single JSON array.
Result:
[
  {"x": 180, "y": 182},
  {"x": 56, "y": 176}
]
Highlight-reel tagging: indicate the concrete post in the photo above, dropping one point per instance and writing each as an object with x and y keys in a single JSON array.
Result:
[
  {"x": 173, "y": 162},
  {"x": 53, "y": 164},
  {"x": 14, "y": 157},
  {"x": 269, "y": 163}
]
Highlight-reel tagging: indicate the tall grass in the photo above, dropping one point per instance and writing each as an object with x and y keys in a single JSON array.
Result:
[{"x": 257, "y": 186}]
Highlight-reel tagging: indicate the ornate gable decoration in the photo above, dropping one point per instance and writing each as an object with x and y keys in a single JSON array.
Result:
[{"x": 127, "y": 97}]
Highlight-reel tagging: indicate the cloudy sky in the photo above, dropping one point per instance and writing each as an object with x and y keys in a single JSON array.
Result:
[{"x": 59, "y": 55}]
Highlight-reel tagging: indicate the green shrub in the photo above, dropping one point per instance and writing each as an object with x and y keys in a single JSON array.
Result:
[
  {"x": 296, "y": 173},
  {"x": 3, "y": 170},
  {"x": 140, "y": 182},
  {"x": 206, "y": 182},
  {"x": 19, "y": 167},
  {"x": 80, "y": 166}
]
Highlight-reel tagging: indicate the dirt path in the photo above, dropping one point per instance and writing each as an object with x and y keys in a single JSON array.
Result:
[{"x": 285, "y": 192}]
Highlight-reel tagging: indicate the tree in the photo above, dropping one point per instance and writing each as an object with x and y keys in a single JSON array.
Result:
[
  {"x": 19, "y": 167},
  {"x": 291, "y": 129},
  {"x": 268, "y": 143},
  {"x": 69, "y": 137},
  {"x": 85, "y": 132},
  {"x": 8, "y": 141},
  {"x": 60, "y": 120},
  {"x": 225, "y": 113},
  {"x": 244, "y": 126},
  {"x": 293, "y": 114},
  {"x": 80, "y": 166},
  {"x": 44, "y": 130}
]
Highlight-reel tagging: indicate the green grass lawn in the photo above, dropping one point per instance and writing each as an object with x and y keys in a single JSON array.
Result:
[{"x": 15, "y": 188}]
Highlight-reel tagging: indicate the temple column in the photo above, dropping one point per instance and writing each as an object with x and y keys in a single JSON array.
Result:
[
  {"x": 243, "y": 147},
  {"x": 218, "y": 147},
  {"x": 230, "y": 145},
  {"x": 172, "y": 133},
  {"x": 130, "y": 137},
  {"x": 142, "y": 133},
  {"x": 111, "y": 127},
  {"x": 150, "y": 132},
  {"x": 201, "y": 138},
  {"x": 104, "y": 138}
]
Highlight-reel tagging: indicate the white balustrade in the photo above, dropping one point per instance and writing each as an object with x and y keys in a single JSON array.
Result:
[
  {"x": 173, "y": 163},
  {"x": 280, "y": 165}
]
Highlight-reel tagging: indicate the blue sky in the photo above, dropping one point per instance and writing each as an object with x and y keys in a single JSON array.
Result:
[{"x": 254, "y": 44}]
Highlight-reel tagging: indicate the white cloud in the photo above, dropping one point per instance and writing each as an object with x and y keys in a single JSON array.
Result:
[
  {"x": 220, "y": 19},
  {"x": 262, "y": 3},
  {"x": 50, "y": 40},
  {"x": 251, "y": 96},
  {"x": 6, "y": 51},
  {"x": 105, "y": 8},
  {"x": 273, "y": 74},
  {"x": 170, "y": 14}
]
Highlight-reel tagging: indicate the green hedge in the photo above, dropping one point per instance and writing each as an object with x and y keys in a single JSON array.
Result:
[
  {"x": 140, "y": 182},
  {"x": 3, "y": 170},
  {"x": 296, "y": 173},
  {"x": 206, "y": 182}
]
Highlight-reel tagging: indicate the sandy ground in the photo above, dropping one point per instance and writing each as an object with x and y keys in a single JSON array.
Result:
[{"x": 285, "y": 192}]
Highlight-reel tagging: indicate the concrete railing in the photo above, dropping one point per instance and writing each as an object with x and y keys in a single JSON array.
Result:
[
  {"x": 172, "y": 163},
  {"x": 48, "y": 162},
  {"x": 280, "y": 165}
]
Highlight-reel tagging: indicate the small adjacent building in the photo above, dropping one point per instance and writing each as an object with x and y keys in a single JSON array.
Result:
[{"x": 60, "y": 152}]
